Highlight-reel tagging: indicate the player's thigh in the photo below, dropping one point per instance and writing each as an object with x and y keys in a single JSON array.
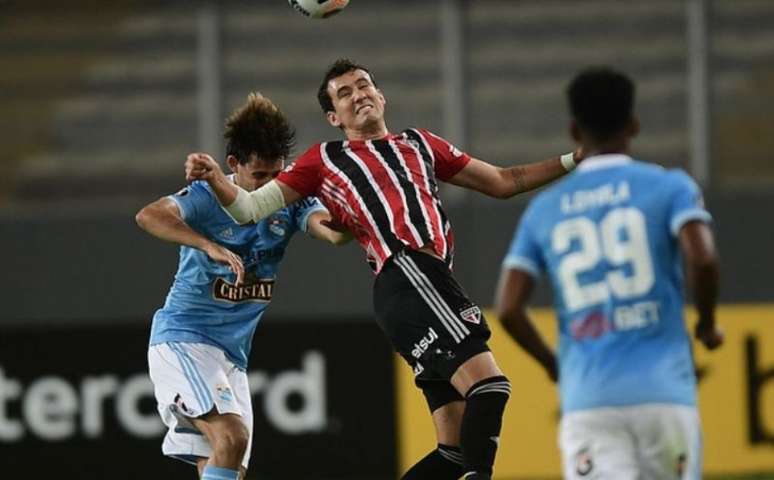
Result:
[
  {"x": 190, "y": 379},
  {"x": 669, "y": 441},
  {"x": 428, "y": 318},
  {"x": 595, "y": 444},
  {"x": 479, "y": 367}
]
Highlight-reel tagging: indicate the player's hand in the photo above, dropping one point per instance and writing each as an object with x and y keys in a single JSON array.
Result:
[
  {"x": 709, "y": 335},
  {"x": 579, "y": 155},
  {"x": 221, "y": 254},
  {"x": 200, "y": 166}
]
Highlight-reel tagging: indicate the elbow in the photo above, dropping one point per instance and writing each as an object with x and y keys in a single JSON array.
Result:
[
  {"x": 503, "y": 193},
  {"x": 141, "y": 218},
  {"x": 704, "y": 261}
]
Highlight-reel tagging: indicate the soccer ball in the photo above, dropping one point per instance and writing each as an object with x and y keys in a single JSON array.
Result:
[{"x": 318, "y": 8}]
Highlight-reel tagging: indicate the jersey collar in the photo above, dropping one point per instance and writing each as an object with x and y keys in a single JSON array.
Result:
[{"x": 604, "y": 161}]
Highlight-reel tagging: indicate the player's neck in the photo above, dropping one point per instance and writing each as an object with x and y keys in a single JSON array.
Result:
[
  {"x": 616, "y": 146},
  {"x": 368, "y": 132}
]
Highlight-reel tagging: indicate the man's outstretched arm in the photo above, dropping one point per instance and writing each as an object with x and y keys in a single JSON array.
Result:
[
  {"x": 242, "y": 206},
  {"x": 506, "y": 182}
]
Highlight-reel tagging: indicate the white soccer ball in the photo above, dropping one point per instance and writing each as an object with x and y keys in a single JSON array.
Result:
[{"x": 318, "y": 8}]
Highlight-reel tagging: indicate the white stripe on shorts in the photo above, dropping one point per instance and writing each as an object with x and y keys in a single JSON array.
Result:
[
  {"x": 194, "y": 378},
  {"x": 431, "y": 296}
]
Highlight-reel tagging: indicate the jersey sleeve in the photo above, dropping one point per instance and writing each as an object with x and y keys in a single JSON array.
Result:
[
  {"x": 193, "y": 201},
  {"x": 686, "y": 202},
  {"x": 304, "y": 174},
  {"x": 304, "y": 208},
  {"x": 448, "y": 159},
  {"x": 524, "y": 252}
]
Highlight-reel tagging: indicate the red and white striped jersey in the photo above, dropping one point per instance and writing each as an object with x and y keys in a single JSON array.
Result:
[{"x": 384, "y": 191}]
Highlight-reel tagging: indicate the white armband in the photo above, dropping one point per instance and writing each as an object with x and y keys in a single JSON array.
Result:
[
  {"x": 256, "y": 205},
  {"x": 568, "y": 161}
]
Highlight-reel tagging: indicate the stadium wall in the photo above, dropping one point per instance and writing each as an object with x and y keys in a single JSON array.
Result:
[
  {"x": 75, "y": 269},
  {"x": 77, "y": 402}
]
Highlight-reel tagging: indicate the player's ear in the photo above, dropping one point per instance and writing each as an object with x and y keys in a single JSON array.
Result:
[
  {"x": 634, "y": 127},
  {"x": 575, "y": 132},
  {"x": 232, "y": 162},
  {"x": 333, "y": 119}
]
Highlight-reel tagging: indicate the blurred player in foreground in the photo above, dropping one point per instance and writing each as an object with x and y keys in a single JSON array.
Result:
[
  {"x": 201, "y": 338},
  {"x": 383, "y": 187},
  {"x": 612, "y": 237}
]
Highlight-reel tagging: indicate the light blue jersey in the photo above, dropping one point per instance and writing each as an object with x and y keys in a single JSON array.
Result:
[
  {"x": 607, "y": 237},
  {"x": 203, "y": 304}
]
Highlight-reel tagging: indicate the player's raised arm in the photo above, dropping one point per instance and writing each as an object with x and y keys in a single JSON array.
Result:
[
  {"x": 242, "y": 206},
  {"x": 162, "y": 219},
  {"x": 506, "y": 182}
]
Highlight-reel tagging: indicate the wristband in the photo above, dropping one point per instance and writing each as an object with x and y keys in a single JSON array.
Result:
[{"x": 568, "y": 161}]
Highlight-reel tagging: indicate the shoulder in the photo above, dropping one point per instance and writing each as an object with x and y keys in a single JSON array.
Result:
[
  {"x": 423, "y": 134},
  {"x": 678, "y": 176},
  {"x": 196, "y": 190},
  {"x": 317, "y": 152}
]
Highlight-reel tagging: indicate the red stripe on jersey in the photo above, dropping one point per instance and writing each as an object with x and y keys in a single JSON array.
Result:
[
  {"x": 430, "y": 201},
  {"x": 385, "y": 191}
]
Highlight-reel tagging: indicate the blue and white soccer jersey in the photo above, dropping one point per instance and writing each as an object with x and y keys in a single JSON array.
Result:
[
  {"x": 607, "y": 238},
  {"x": 201, "y": 337}
]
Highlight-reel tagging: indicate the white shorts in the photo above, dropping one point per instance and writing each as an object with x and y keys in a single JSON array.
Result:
[
  {"x": 641, "y": 442},
  {"x": 190, "y": 379}
]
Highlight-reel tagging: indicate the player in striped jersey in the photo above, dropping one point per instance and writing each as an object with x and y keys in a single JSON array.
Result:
[{"x": 383, "y": 187}]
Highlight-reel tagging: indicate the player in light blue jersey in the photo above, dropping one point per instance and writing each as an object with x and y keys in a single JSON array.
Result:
[
  {"x": 613, "y": 237},
  {"x": 201, "y": 337}
]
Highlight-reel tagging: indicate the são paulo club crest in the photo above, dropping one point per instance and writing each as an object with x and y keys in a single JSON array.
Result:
[{"x": 471, "y": 314}]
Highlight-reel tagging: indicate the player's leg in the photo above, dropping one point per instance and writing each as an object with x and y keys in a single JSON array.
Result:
[
  {"x": 203, "y": 463},
  {"x": 486, "y": 392},
  {"x": 597, "y": 443},
  {"x": 668, "y": 441},
  {"x": 228, "y": 436},
  {"x": 196, "y": 402},
  {"x": 446, "y": 461},
  {"x": 438, "y": 329}
]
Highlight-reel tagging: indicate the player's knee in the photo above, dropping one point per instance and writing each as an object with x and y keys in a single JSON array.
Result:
[
  {"x": 498, "y": 386},
  {"x": 231, "y": 440}
]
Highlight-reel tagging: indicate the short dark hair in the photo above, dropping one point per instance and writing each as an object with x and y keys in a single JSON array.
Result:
[
  {"x": 339, "y": 68},
  {"x": 601, "y": 101},
  {"x": 259, "y": 127}
]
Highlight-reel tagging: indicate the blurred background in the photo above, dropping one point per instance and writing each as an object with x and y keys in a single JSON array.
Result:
[{"x": 101, "y": 102}]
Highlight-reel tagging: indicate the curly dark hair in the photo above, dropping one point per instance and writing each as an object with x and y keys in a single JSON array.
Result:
[
  {"x": 339, "y": 68},
  {"x": 601, "y": 101},
  {"x": 259, "y": 127}
]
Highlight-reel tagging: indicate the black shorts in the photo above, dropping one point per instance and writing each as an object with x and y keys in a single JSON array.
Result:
[{"x": 430, "y": 321}]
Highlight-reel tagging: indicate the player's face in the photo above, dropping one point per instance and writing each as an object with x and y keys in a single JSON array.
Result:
[
  {"x": 358, "y": 104},
  {"x": 256, "y": 172}
]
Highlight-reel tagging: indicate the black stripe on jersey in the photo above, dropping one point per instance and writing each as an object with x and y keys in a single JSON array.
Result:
[
  {"x": 410, "y": 191},
  {"x": 366, "y": 191},
  {"x": 427, "y": 157},
  {"x": 444, "y": 226}
]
